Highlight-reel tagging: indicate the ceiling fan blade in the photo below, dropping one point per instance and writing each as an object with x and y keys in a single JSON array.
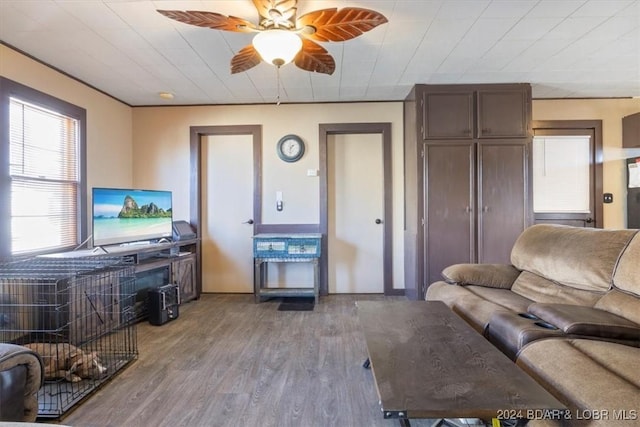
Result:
[
  {"x": 212, "y": 20},
  {"x": 263, "y": 7},
  {"x": 276, "y": 12},
  {"x": 339, "y": 25},
  {"x": 247, "y": 58},
  {"x": 315, "y": 58}
]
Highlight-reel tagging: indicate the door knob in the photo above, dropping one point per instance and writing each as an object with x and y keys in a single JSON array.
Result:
[
  {"x": 249, "y": 221},
  {"x": 378, "y": 221}
]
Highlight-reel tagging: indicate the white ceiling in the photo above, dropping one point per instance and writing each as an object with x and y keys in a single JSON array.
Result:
[{"x": 564, "y": 48}]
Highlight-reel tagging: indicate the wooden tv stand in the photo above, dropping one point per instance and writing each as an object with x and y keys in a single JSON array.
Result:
[{"x": 180, "y": 258}]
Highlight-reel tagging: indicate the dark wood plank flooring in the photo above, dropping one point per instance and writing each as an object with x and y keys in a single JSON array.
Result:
[{"x": 227, "y": 361}]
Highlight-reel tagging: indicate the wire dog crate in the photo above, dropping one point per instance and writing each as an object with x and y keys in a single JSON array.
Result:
[{"x": 78, "y": 314}]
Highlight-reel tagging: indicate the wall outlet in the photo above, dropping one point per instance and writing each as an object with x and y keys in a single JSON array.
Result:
[{"x": 312, "y": 172}]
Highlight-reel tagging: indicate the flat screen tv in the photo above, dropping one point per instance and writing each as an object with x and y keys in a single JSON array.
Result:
[{"x": 130, "y": 215}]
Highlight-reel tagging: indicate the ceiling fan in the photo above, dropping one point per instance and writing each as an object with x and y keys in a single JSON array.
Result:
[{"x": 282, "y": 38}]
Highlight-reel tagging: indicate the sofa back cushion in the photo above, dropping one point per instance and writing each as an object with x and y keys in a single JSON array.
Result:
[
  {"x": 539, "y": 289},
  {"x": 627, "y": 275},
  {"x": 621, "y": 303},
  {"x": 580, "y": 258}
]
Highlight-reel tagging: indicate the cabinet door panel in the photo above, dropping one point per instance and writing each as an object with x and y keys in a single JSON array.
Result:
[
  {"x": 448, "y": 115},
  {"x": 631, "y": 131},
  {"x": 184, "y": 275},
  {"x": 449, "y": 229},
  {"x": 503, "y": 202},
  {"x": 502, "y": 113}
]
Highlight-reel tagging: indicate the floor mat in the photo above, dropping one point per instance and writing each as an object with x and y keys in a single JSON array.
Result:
[{"x": 297, "y": 304}]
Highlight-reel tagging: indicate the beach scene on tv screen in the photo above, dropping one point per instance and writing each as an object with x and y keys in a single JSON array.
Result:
[{"x": 129, "y": 215}]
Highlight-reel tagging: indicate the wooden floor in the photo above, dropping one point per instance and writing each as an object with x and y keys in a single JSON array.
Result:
[{"x": 227, "y": 361}]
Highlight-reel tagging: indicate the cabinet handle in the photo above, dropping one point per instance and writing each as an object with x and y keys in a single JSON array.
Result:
[
  {"x": 485, "y": 209},
  {"x": 468, "y": 209}
]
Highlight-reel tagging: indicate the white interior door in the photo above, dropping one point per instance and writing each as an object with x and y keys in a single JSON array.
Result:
[
  {"x": 227, "y": 206},
  {"x": 355, "y": 178}
]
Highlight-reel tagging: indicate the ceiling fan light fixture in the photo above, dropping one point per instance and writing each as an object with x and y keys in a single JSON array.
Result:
[{"x": 277, "y": 47}]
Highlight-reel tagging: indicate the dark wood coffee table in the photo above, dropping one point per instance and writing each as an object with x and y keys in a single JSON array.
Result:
[{"x": 429, "y": 363}]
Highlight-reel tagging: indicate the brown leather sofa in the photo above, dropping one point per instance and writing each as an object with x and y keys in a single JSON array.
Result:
[
  {"x": 21, "y": 376},
  {"x": 567, "y": 310}
]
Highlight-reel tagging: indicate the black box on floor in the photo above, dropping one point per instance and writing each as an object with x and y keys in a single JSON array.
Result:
[{"x": 164, "y": 302}]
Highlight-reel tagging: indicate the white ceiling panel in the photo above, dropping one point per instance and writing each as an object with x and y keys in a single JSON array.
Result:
[
  {"x": 448, "y": 32},
  {"x": 555, "y": 8},
  {"x": 416, "y": 10},
  {"x": 454, "y": 9},
  {"x": 95, "y": 15},
  {"x": 508, "y": 8},
  {"x": 574, "y": 28},
  {"x": 482, "y": 36},
  {"x": 532, "y": 28},
  {"x": 565, "y": 48},
  {"x": 602, "y": 7}
]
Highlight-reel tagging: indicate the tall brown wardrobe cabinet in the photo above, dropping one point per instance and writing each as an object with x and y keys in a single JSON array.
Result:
[{"x": 467, "y": 184}]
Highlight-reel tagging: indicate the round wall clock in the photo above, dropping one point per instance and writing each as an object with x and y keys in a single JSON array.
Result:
[{"x": 290, "y": 148}]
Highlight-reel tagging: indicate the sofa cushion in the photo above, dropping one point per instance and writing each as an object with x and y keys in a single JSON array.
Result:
[
  {"x": 626, "y": 275},
  {"x": 476, "y": 304},
  {"x": 490, "y": 275},
  {"x": 588, "y": 321},
  {"x": 587, "y": 375},
  {"x": 12, "y": 399},
  {"x": 539, "y": 289},
  {"x": 620, "y": 303},
  {"x": 12, "y": 355},
  {"x": 580, "y": 258}
]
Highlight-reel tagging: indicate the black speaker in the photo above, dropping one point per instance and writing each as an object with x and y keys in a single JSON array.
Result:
[{"x": 164, "y": 303}]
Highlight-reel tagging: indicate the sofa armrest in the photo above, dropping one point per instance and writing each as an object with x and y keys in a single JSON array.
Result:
[
  {"x": 488, "y": 275},
  {"x": 587, "y": 321},
  {"x": 24, "y": 374}
]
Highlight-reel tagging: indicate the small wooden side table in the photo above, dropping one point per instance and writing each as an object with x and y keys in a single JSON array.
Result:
[{"x": 285, "y": 248}]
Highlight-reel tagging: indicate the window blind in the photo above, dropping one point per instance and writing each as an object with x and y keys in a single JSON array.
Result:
[
  {"x": 561, "y": 167},
  {"x": 45, "y": 182}
]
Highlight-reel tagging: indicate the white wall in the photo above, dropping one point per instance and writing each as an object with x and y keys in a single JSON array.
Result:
[
  {"x": 161, "y": 155},
  {"x": 109, "y": 122}
]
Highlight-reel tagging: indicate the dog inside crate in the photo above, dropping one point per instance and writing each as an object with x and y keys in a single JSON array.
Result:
[
  {"x": 79, "y": 323},
  {"x": 67, "y": 361}
]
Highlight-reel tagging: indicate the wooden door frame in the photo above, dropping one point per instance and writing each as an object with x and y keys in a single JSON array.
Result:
[
  {"x": 195, "y": 177},
  {"x": 384, "y": 129},
  {"x": 594, "y": 126}
]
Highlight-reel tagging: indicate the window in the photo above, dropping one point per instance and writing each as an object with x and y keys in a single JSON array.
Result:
[
  {"x": 44, "y": 179},
  {"x": 561, "y": 174}
]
